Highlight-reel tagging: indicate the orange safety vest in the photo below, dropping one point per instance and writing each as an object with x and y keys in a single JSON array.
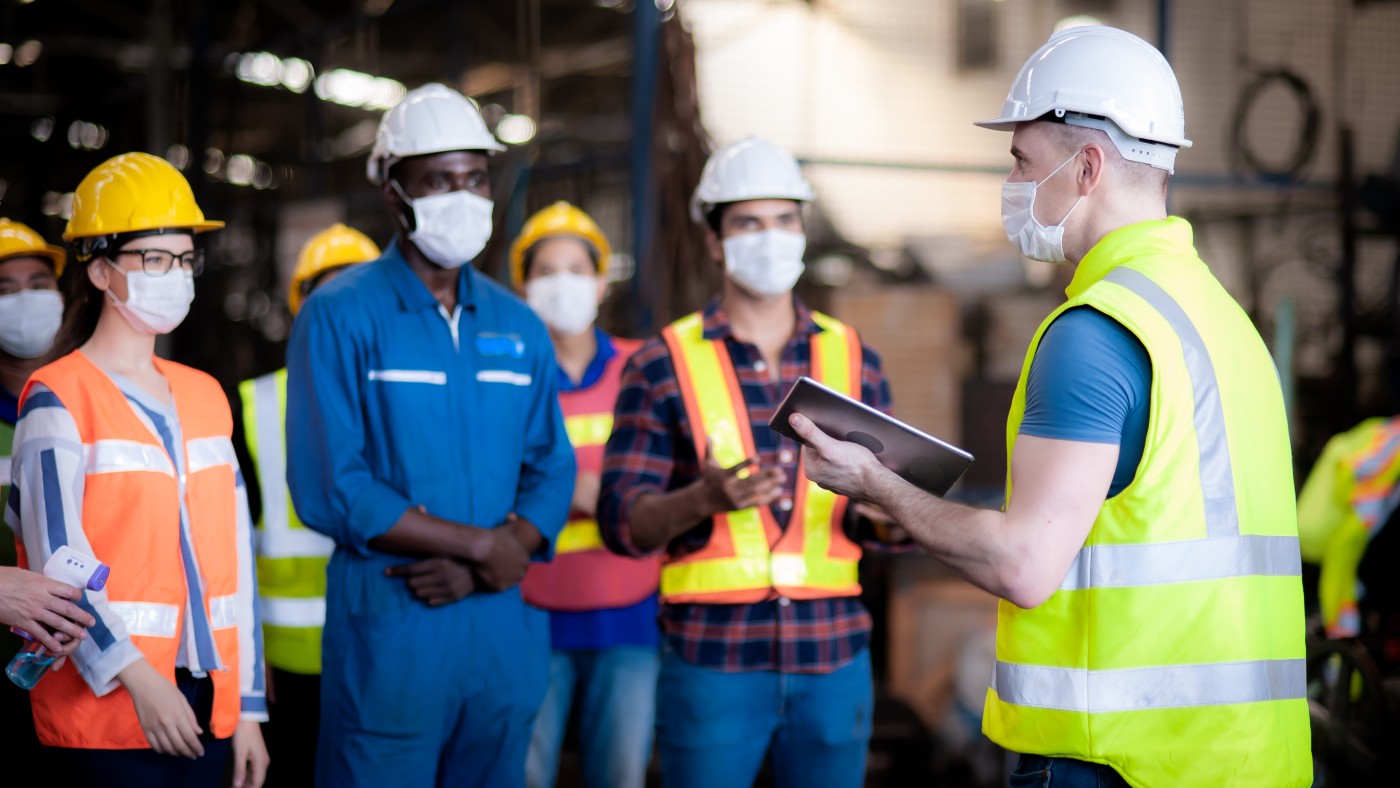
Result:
[
  {"x": 131, "y": 516},
  {"x": 584, "y": 575},
  {"x": 748, "y": 557}
]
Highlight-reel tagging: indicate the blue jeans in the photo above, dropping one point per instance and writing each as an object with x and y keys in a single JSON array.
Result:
[
  {"x": 1038, "y": 771},
  {"x": 616, "y": 690},
  {"x": 714, "y": 728}
]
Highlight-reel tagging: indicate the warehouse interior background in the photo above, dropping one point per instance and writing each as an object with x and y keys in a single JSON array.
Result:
[{"x": 270, "y": 106}]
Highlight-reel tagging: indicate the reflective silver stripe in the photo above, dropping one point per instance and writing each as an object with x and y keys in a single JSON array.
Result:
[
  {"x": 1095, "y": 691},
  {"x": 1217, "y": 478},
  {"x": 430, "y": 376},
  {"x": 292, "y": 542},
  {"x": 291, "y": 612},
  {"x": 504, "y": 376},
  {"x": 114, "y": 456},
  {"x": 1128, "y": 565},
  {"x": 151, "y": 619},
  {"x": 4, "y": 473},
  {"x": 276, "y": 538},
  {"x": 205, "y": 453},
  {"x": 223, "y": 611}
]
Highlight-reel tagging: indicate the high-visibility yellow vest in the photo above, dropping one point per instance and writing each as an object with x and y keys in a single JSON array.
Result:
[
  {"x": 291, "y": 557},
  {"x": 1351, "y": 492},
  {"x": 1173, "y": 650},
  {"x": 749, "y": 558}
]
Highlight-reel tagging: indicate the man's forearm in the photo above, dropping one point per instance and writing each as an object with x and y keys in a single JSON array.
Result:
[
  {"x": 967, "y": 539},
  {"x": 657, "y": 518},
  {"x": 420, "y": 534}
]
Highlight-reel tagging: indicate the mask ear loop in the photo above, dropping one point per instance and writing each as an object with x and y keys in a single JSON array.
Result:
[
  {"x": 1060, "y": 223},
  {"x": 403, "y": 221}
]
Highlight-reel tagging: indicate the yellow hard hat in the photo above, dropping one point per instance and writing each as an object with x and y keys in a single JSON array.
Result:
[
  {"x": 558, "y": 220},
  {"x": 17, "y": 240},
  {"x": 333, "y": 247},
  {"x": 131, "y": 193}
]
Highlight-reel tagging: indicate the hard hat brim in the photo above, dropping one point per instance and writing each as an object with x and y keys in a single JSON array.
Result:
[
  {"x": 1009, "y": 123},
  {"x": 197, "y": 227}
]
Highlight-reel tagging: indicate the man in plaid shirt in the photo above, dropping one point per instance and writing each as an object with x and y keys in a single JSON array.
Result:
[{"x": 766, "y": 637}]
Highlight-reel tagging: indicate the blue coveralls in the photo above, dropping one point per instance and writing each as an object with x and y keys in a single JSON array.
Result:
[{"x": 387, "y": 409}]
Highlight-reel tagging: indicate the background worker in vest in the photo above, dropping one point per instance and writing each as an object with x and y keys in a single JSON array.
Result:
[
  {"x": 31, "y": 310},
  {"x": 127, "y": 457},
  {"x": 1151, "y": 628},
  {"x": 605, "y": 647},
  {"x": 1351, "y": 495},
  {"x": 765, "y": 632},
  {"x": 291, "y": 557},
  {"x": 425, "y": 438}
]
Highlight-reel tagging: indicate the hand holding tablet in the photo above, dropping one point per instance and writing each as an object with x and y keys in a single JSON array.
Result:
[{"x": 918, "y": 458}]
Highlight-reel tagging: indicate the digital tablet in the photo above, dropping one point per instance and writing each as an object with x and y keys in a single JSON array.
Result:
[{"x": 920, "y": 459}]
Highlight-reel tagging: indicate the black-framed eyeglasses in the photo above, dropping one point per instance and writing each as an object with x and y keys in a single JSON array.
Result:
[{"x": 158, "y": 262}]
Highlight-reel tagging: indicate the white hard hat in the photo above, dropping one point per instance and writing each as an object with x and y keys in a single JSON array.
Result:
[
  {"x": 1103, "y": 78},
  {"x": 431, "y": 119},
  {"x": 751, "y": 169}
]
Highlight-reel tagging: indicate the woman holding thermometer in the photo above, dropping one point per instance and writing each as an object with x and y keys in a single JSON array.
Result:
[{"x": 125, "y": 457}]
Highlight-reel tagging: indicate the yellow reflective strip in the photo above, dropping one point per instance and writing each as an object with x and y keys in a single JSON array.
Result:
[
  {"x": 795, "y": 570},
  {"x": 589, "y": 429},
  {"x": 720, "y": 422},
  {"x": 832, "y": 351},
  {"x": 714, "y": 576},
  {"x": 832, "y": 347},
  {"x": 577, "y": 536}
]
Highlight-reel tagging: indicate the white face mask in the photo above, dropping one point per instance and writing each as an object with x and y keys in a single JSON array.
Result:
[
  {"x": 29, "y": 320},
  {"x": 566, "y": 302},
  {"x": 450, "y": 229},
  {"x": 1037, "y": 241},
  {"x": 155, "y": 304},
  {"x": 766, "y": 263}
]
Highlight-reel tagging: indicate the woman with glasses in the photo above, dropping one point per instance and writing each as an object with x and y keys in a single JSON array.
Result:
[{"x": 126, "y": 457}]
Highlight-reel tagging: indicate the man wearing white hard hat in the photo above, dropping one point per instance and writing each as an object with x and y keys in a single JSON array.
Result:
[
  {"x": 1151, "y": 625},
  {"x": 766, "y": 638},
  {"x": 424, "y": 437}
]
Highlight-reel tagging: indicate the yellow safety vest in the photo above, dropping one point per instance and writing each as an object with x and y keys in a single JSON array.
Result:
[
  {"x": 749, "y": 558},
  {"x": 291, "y": 557},
  {"x": 1351, "y": 492},
  {"x": 1173, "y": 650}
]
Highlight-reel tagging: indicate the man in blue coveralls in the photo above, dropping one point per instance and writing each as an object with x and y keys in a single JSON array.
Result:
[{"x": 424, "y": 436}]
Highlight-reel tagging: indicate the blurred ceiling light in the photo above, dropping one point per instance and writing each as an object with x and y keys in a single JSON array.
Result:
[
  {"x": 357, "y": 89},
  {"x": 213, "y": 160},
  {"x": 1078, "y": 20},
  {"x": 609, "y": 3},
  {"x": 377, "y": 7},
  {"x": 515, "y": 129},
  {"x": 6, "y": 52},
  {"x": 241, "y": 169},
  {"x": 260, "y": 68},
  {"x": 178, "y": 156},
  {"x": 665, "y": 5},
  {"x": 296, "y": 74},
  {"x": 56, "y": 204},
  {"x": 86, "y": 136},
  {"x": 27, "y": 53},
  {"x": 41, "y": 129},
  {"x": 262, "y": 176}
]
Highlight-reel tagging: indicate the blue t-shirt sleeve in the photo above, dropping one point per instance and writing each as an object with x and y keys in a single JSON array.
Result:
[{"x": 1090, "y": 381}]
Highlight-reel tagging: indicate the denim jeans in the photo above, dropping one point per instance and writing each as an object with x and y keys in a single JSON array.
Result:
[
  {"x": 714, "y": 728},
  {"x": 1038, "y": 771},
  {"x": 616, "y": 691}
]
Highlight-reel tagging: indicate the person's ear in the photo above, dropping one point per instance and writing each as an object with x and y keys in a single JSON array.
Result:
[
  {"x": 99, "y": 273},
  {"x": 1091, "y": 168}
]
